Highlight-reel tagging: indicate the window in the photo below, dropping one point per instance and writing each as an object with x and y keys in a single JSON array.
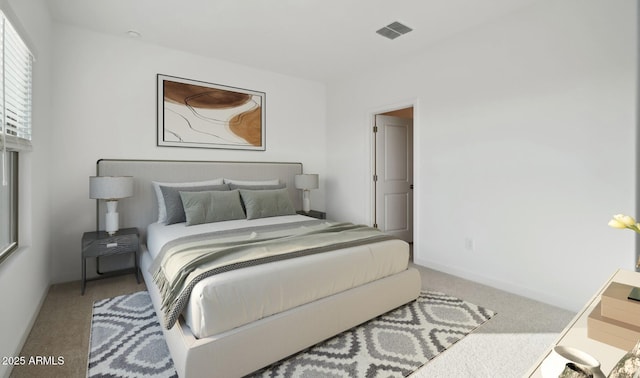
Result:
[
  {"x": 16, "y": 65},
  {"x": 9, "y": 206}
]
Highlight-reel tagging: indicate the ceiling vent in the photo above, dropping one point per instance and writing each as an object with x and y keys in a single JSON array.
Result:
[{"x": 394, "y": 30}]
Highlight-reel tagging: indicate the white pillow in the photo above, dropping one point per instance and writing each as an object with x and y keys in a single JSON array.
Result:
[
  {"x": 250, "y": 182},
  {"x": 162, "y": 208}
]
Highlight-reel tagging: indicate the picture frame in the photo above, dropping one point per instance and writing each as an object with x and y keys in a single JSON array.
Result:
[{"x": 197, "y": 114}]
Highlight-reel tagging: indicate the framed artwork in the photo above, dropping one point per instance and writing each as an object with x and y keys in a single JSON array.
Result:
[{"x": 197, "y": 114}]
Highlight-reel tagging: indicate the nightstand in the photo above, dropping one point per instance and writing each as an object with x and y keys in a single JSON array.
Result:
[
  {"x": 313, "y": 214},
  {"x": 100, "y": 244}
]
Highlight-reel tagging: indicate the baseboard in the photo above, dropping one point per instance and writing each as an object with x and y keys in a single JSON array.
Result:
[{"x": 509, "y": 287}]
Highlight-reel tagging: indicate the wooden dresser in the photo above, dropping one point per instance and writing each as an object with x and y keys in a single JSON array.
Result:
[{"x": 575, "y": 334}]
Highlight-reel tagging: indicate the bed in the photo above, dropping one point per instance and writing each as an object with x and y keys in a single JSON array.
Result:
[{"x": 241, "y": 320}]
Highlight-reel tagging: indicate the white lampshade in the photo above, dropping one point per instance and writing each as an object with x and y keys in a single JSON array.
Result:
[
  {"x": 306, "y": 181},
  {"x": 110, "y": 187}
]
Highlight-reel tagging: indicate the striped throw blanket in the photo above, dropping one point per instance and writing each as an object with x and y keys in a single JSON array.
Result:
[{"x": 184, "y": 262}]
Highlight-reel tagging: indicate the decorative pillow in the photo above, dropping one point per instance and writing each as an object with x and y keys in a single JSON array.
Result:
[
  {"x": 162, "y": 210},
  {"x": 211, "y": 206},
  {"x": 252, "y": 182},
  {"x": 257, "y": 187},
  {"x": 267, "y": 203},
  {"x": 173, "y": 201}
]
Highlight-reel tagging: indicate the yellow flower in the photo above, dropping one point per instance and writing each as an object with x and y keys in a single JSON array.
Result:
[
  {"x": 625, "y": 219},
  {"x": 616, "y": 224}
]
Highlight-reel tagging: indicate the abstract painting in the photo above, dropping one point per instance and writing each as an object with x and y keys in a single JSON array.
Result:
[{"x": 197, "y": 114}]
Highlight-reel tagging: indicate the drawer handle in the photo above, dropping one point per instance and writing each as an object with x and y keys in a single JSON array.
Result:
[{"x": 111, "y": 245}]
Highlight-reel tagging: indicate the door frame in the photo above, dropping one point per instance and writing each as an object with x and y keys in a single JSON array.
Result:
[{"x": 372, "y": 160}]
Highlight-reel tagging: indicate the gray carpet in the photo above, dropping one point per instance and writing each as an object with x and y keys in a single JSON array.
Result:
[
  {"x": 515, "y": 336},
  {"x": 505, "y": 347},
  {"x": 125, "y": 340}
]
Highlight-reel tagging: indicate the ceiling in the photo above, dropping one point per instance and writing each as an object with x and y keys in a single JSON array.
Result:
[{"x": 314, "y": 39}]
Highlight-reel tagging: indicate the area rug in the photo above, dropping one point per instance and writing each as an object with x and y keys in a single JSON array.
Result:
[
  {"x": 126, "y": 343},
  {"x": 126, "y": 339}
]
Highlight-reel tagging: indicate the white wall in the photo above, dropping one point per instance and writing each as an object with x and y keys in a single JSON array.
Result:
[
  {"x": 104, "y": 106},
  {"x": 25, "y": 275},
  {"x": 525, "y": 140}
]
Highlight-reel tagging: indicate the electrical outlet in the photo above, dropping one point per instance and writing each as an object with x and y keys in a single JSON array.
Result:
[{"x": 468, "y": 244}]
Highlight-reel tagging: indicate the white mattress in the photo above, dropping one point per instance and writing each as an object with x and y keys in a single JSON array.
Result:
[{"x": 228, "y": 300}]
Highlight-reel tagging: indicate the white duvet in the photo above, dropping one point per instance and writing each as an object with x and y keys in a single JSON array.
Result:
[{"x": 228, "y": 300}]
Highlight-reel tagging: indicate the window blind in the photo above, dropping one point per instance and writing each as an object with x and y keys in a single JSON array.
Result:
[{"x": 15, "y": 94}]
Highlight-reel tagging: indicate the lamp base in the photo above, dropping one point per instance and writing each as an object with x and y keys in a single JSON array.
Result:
[
  {"x": 111, "y": 225},
  {"x": 111, "y": 218},
  {"x": 306, "y": 201}
]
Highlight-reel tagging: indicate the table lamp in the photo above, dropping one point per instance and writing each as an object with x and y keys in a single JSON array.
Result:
[
  {"x": 111, "y": 189},
  {"x": 306, "y": 182}
]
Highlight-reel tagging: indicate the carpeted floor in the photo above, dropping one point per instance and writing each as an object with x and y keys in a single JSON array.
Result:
[
  {"x": 517, "y": 335},
  {"x": 489, "y": 355},
  {"x": 127, "y": 341},
  {"x": 63, "y": 326}
]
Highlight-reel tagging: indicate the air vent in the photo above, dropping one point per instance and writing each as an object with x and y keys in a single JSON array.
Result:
[{"x": 394, "y": 30}]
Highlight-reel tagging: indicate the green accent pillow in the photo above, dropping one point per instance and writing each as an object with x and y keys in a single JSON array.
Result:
[
  {"x": 211, "y": 206},
  {"x": 267, "y": 203},
  {"x": 173, "y": 202}
]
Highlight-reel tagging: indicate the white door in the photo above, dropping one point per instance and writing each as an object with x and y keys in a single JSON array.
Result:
[{"x": 393, "y": 176}]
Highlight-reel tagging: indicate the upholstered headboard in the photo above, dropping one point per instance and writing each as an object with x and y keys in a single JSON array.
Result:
[{"x": 141, "y": 209}]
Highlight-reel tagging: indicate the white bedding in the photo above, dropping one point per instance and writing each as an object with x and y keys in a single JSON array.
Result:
[{"x": 228, "y": 300}]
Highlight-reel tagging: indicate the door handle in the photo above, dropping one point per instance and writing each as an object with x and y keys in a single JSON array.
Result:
[{"x": 411, "y": 186}]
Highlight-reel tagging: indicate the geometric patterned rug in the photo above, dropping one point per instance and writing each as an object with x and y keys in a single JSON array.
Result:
[
  {"x": 394, "y": 344},
  {"x": 126, "y": 340}
]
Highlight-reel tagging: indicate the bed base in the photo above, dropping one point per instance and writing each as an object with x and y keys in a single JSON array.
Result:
[{"x": 248, "y": 348}]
